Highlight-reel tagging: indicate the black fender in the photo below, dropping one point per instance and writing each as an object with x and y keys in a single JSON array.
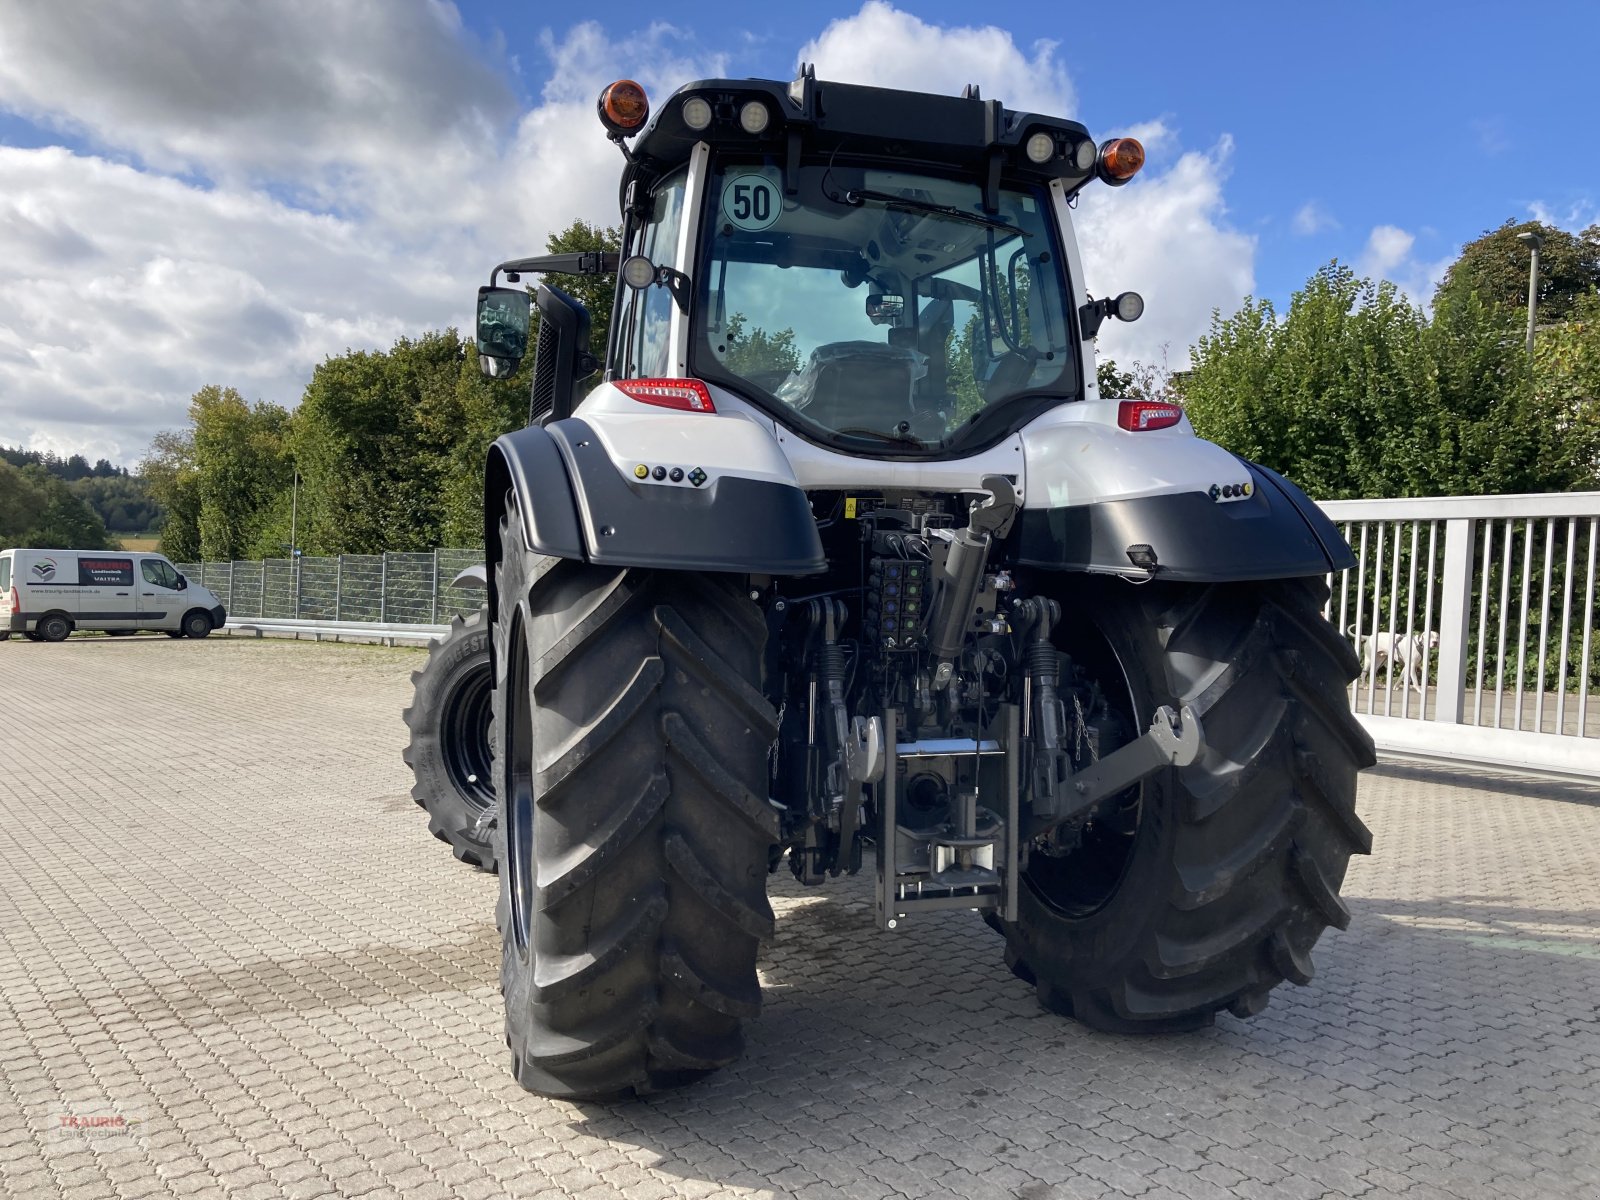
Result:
[
  {"x": 576, "y": 504},
  {"x": 1276, "y": 532}
]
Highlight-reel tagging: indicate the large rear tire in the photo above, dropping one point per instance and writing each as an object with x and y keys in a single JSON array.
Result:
[
  {"x": 449, "y": 752},
  {"x": 634, "y": 826},
  {"x": 1211, "y": 884}
]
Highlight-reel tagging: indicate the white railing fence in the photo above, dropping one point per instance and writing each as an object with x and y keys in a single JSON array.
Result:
[{"x": 1474, "y": 617}]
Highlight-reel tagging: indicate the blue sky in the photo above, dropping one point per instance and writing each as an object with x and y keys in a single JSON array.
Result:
[
  {"x": 1436, "y": 119},
  {"x": 193, "y": 193}
]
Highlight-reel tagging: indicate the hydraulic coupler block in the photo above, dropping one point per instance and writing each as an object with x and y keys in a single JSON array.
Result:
[{"x": 897, "y": 592}]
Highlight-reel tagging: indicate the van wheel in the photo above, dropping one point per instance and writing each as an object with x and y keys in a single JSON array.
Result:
[
  {"x": 54, "y": 628},
  {"x": 196, "y": 624}
]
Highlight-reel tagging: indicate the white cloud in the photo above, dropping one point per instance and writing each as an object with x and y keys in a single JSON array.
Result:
[
  {"x": 271, "y": 184},
  {"x": 1166, "y": 237},
  {"x": 1311, "y": 218},
  {"x": 886, "y": 47},
  {"x": 164, "y": 287},
  {"x": 1389, "y": 254}
]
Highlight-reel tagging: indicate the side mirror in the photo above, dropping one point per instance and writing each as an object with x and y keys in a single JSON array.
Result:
[
  {"x": 886, "y": 308},
  {"x": 504, "y": 317},
  {"x": 183, "y": 582}
]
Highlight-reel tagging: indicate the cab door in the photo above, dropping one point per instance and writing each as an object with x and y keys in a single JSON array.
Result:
[{"x": 160, "y": 601}]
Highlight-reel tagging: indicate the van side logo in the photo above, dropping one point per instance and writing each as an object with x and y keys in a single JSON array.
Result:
[{"x": 44, "y": 570}]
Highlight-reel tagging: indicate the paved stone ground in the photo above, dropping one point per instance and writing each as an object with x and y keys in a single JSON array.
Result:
[{"x": 222, "y": 920}]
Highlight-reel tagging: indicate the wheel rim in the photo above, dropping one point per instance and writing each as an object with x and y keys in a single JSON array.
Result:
[
  {"x": 518, "y": 813},
  {"x": 1083, "y": 880},
  {"x": 465, "y": 736}
]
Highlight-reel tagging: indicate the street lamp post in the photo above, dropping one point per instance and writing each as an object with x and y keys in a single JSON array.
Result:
[{"x": 1534, "y": 241}]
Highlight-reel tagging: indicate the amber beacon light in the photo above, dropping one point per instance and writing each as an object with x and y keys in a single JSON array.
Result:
[
  {"x": 1120, "y": 160},
  {"x": 623, "y": 108}
]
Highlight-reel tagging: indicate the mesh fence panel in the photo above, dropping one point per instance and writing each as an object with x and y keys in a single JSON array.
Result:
[{"x": 398, "y": 588}]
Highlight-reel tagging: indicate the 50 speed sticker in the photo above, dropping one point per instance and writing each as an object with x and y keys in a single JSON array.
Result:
[{"x": 752, "y": 202}]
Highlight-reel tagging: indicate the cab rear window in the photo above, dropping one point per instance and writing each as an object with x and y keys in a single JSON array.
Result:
[{"x": 105, "y": 572}]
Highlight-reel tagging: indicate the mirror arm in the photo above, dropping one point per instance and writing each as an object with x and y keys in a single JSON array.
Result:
[
  {"x": 586, "y": 262},
  {"x": 678, "y": 284}
]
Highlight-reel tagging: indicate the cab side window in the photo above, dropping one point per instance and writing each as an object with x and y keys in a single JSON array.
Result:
[
  {"x": 159, "y": 573},
  {"x": 647, "y": 313}
]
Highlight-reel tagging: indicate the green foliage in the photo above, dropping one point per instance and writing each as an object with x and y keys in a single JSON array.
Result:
[
  {"x": 755, "y": 354},
  {"x": 1355, "y": 392},
  {"x": 120, "y": 500},
  {"x": 596, "y": 292},
  {"x": 215, "y": 478},
  {"x": 39, "y": 510},
  {"x": 1496, "y": 268},
  {"x": 1113, "y": 384}
]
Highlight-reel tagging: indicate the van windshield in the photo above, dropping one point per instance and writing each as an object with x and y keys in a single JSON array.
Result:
[
  {"x": 879, "y": 305},
  {"x": 5, "y": 573}
]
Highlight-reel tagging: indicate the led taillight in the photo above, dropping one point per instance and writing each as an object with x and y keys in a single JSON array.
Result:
[
  {"x": 1136, "y": 416},
  {"x": 688, "y": 394}
]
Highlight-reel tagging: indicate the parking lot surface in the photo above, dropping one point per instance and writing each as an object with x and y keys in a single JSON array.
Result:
[{"x": 233, "y": 963}]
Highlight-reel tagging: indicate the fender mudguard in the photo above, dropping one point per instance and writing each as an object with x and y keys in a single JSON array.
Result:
[
  {"x": 1274, "y": 533},
  {"x": 576, "y": 504}
]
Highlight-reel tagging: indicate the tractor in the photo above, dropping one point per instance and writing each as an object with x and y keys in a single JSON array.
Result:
[{"x": 844, "y": 564}]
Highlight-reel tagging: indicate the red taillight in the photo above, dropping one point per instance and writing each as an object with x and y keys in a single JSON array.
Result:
[
  {"x": 1136, "y": 416},
  {"x": 688, "y": 394}
]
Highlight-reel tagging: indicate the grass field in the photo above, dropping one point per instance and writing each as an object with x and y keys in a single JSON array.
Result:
[{"x": 141, "y": 542}]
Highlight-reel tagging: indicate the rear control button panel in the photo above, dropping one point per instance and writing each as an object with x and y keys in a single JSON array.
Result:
[{"x": 690, "y": 477}]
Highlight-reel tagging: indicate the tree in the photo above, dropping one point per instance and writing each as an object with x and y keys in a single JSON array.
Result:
[
  {"x": 755, "y": 353},
  {"x": 169, "y": 468},
  {"x": 218, "y": 478},
  {"x": 1356, "y": 392},
  {"x": 1495, "y": 266},
  {"x": 38, "y": 510},
  {"x": 1113, "y": 384},
  {"x": 596, "y": 292}
]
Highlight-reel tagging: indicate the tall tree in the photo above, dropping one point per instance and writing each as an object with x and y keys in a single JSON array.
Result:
[
  {"x": 1495, "y": 266},
  {"x": 1355, "y": 392}
]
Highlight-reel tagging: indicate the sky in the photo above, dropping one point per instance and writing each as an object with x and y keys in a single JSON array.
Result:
[{"x": 196, "y": 193}]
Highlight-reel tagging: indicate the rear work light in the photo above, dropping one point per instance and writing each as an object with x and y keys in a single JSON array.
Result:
[
  {"x": 688, "y": 394},
  {"x": 1136, "y": 416}
]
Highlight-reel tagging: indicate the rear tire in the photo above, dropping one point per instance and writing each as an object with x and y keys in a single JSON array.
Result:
[
  {"x": 634, "y": 826},
  {"x": 196, "y": 624},
  {"x": 1214, "y": 889},
  {"x": 53, "y": 627},
  {"x": 450, "y": 753}
]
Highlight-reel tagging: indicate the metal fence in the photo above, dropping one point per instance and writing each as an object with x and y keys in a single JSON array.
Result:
[
  {"x": 1475, "y": 620},
  {"x": 388, "y": 589},
  {"x": 1474, "y": 617}
]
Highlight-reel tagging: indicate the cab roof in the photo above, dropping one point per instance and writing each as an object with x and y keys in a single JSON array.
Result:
[{"x": 809, "y": 116}]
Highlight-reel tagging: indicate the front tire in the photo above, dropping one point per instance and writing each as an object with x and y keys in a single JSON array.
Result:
[
  {"x": 1210, "y": 885},
  {"x": 196, "y": 624},
  {"x": 449, "y": 752},
  {"x": 634, "y": 826}
]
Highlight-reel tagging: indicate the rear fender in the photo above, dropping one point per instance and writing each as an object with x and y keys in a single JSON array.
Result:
[
  {"x": 578, "y": 486},
  {"x": 1095, "y": 491}
]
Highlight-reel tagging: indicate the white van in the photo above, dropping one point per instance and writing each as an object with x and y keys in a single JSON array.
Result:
[{"x": 46, "y": 594}]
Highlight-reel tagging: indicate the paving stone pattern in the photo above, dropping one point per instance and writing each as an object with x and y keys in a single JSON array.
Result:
[{"x": 222, "y": 921}]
